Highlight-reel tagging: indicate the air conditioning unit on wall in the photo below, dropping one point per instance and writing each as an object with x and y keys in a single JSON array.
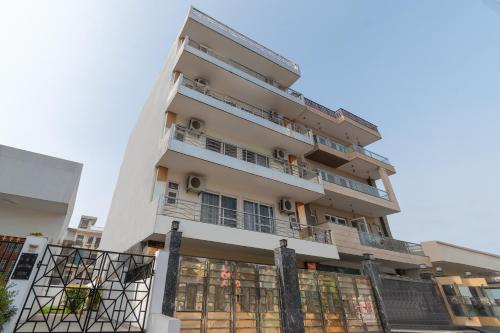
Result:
[
  {"x": 195, "y": 184},
  {"x": 279, "y": 154},
  {"x": 196, "y": 125},
  {"x": 287, "y": 206}
]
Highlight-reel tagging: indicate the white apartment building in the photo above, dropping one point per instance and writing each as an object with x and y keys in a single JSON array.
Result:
[
  {"x": 37, "y": 193},
  {"x": 225, "y": 146},
  {"x": 86, "y": 235}
]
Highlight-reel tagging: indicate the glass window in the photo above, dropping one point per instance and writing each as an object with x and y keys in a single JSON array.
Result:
[
  {"x": 217, "y": 209},
  {"x": 79, "y": 240},
  {"x": 97, "y": 241},
  {"x": 90, "y": 240},
  {"x": 335, "y": 219},
  {"x": 249, "y": 156},
  {"x": 258, "y": 217},
  {"x": 209, "y": 208},
  {"x": 213, "y": 145},
  {"x": 173, "y": 190},
  {"x": 230, "y": 150}
]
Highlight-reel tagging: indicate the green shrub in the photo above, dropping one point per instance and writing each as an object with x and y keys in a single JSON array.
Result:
[
  {"x": 76, "y": 298},
  {"x": 7, "y": 309}
]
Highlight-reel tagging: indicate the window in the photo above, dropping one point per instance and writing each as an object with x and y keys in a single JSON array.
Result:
[
  {"x": 97, "y": 241},
  {"x": 90, "y": 240},
  {"x": 258, "y": 217},
  {"x": 79, "y": 240},
  {"x": 255, "y": 158},
  {"x": 335, "y": 219},
  {"x": 213, "y": 145},
  {"x": 172, "y": 192},
  {"x": 218, "y": 209},
  {"x": 3, "y": 265},
  {"x": 84, "y": 224},
  {"x": 360, "y": 224}
]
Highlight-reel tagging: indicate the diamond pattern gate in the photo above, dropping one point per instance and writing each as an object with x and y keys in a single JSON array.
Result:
[
  {"x": 83, "y": 290},
  {"x": 217, "y": 296}
]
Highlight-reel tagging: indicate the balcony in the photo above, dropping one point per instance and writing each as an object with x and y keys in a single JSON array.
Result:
[
  {"x": 398, "y": 254},
  {"x": 198, "y": 212},
  {"x": 224, "y": 74},
  {"x": 390, "y": 244},
  {"x": 341, "y": 124},
  {"x": 219, "y": 36},
  {"x": 352, "y": 159},
  {"x": 236, "y": 167},
  {"x": 351, "y": 195},
  {"x": 228, "y": 116},
  {"x": 212, "y": 229}
]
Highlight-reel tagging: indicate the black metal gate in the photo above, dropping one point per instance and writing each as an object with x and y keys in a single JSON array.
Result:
[
  {"x": 83, "y": 290},
  {"x": 10, "y": 248},
  {"x": 413, "y": 303}
]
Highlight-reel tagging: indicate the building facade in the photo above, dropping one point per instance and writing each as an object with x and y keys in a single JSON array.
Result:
[
  {"x": 225, "y": 146},
  {"x": 86, "y": 235},
  {"x": 37, "y": 193}
]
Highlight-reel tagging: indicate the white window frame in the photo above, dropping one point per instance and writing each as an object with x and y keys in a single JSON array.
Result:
[{"x": 335, "y": 219}]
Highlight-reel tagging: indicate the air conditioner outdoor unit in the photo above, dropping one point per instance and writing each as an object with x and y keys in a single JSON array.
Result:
[
  {"x": 196, "y": 125},
  {"x": 195, "y": 184},
  {"x": 202, "y": 83},
  {"x": 287, "y": 206},
  {"x": 279, "y": 154},
  {"x": 204, "y": 48}
]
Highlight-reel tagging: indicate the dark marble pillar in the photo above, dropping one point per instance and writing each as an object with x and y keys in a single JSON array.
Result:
[
  {"x": 172, "y": 246},
  {"x": 292, "y": 317},
  {"x": 371, "y": 269}
]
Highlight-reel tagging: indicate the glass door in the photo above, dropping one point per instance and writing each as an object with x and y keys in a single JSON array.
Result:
[
  {"x": 209, "y": 208},
  {"x": 258, "y": 217},
  {"x": 229, "y": 213}
]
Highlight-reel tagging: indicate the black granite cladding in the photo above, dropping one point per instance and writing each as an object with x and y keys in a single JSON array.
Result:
[
  {"x": 292, "y": 317},
  {"x": 172, "y": 244}
]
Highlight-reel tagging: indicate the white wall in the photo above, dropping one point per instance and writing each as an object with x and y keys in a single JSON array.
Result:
[
  {"x": 132, "y": 213},
  {"x": 37, "y": 193}
]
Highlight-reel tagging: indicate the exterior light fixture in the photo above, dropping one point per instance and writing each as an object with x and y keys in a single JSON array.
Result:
[
  {"x": 175, "y": 226},
  {"x": 283, "y": 242}
]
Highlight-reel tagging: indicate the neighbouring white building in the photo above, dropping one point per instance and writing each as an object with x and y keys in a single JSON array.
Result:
[
  {"x": 86, "y": 235},
  {"x": 37, "y": 193}
]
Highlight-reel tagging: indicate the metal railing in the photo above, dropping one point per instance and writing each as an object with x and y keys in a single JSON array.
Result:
[
  {"x": 241, "y": 67},
  {"x": 205, "y": 213},
  {"x": 390, "y": 244},
  {"x": 201, "y": 140},
  {"x": 340, "y": 113},
  {"x": 330, "y": 143},
  {"x": 353, "y": 184},
  {"x": 368, "y": 153},
  {"x": 246, "y": 40},
  {"x": 272, "y": 116},
  {"x": 10, "y": 248}
]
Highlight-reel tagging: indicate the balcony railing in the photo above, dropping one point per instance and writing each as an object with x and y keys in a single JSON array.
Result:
[
  {"x": 244, "y": 40},
  {"x": 353, "y": 184},
  {"x": 348, "y": 149},
  {"x": 241, "y": 67},
  {"x": 368, "y": 153},
  {"x": 340, "y": 113},
  {"x": 198, "y": 212},
  {"x": 390, "y": 244},
  {"x": 330, "y": 143},
  {"x": 201, "y": 140},
  {"x": 272, "y": 116}
]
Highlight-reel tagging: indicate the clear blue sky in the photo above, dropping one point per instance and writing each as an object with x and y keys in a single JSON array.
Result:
[{"x": 75, "y": 75}]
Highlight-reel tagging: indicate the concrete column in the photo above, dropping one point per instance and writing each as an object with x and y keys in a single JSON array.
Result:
[
  {"x": 292, "y": 317},
  {"x": 387, "y": 184},
  {"x": 21, "y": 288},
  {"x": 371, "y": 269}
]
